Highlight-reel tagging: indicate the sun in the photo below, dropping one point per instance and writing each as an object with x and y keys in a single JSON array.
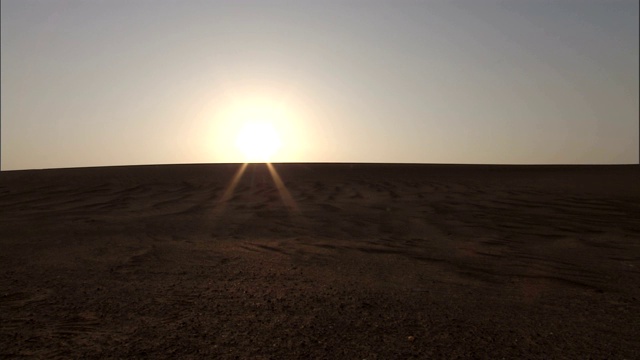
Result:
[
  {"x": 258, "y": 141},
  {"x": 248, "y": 128}
]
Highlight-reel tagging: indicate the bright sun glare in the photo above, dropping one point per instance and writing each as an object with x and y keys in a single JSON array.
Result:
[
  {"x": 258, "y": 141},
  {"x": 256, "y": 129}
]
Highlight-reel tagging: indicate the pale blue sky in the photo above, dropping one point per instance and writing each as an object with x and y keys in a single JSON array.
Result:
[{"x": 94, "y": 83}]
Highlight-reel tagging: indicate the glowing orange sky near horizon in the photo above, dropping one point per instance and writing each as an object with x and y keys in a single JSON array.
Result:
[
  {"x": 99, "y": 83},
  {"x": 256, "y": 129}
]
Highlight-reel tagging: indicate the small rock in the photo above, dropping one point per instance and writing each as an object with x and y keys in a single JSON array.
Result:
[{"x": 411, "y": 338}]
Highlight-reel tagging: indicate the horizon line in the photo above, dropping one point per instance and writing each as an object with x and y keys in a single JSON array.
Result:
[{"x": 329, "y": 163}]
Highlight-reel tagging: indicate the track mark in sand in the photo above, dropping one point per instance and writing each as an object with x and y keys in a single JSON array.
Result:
[
  {"x": 569, "y": 273},
  {"x": 393, "y": 194},
  {"x": 379, "y": 250},
  {"x": 263, "y": 248},
  {"x": 523, "y": 265},
  {"x": 13, "y": 302},
  {"x": 356, "y": 194},
  {"x": 545, "y": 217},
  {"x": 271, "y": 248},
  {"x": 81, "y": 324},
  {"x": 494, "y": 276},
  {"x": 331, "y": 208},
  {"x": 138, "y": 259},
  {"x": 318, "y": 186},
  {"x": 624, "y": 258},
  {"x": 327, "y": 246},
  {"x": 494, "y": 242},
  {"x": 250, "y": 248},
  {"x": 558, "y": 280},
  {"x": 493, "y": 255},
  {"x": 602, "y": 244},
  {"x": 21, "y": 299}
]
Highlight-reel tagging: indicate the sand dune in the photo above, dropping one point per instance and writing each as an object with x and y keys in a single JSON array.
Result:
[{"x": 363, "y": 261}]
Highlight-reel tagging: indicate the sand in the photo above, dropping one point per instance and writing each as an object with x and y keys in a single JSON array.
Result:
[{"x": 362, "y": 261}]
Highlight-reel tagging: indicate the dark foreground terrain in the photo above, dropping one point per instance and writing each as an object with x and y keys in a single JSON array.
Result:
[{"x": 363, "y": 261}]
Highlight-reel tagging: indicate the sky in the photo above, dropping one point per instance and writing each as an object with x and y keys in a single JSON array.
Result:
[{"x": 127, "y": 82}]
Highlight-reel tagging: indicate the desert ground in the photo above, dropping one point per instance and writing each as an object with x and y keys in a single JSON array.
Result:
[{"x": 327, "y": 261}]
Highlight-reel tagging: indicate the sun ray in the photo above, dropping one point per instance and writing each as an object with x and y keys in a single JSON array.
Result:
[
  {"x": 285, "y": 195},
  {"x": 229, "y": 190}
]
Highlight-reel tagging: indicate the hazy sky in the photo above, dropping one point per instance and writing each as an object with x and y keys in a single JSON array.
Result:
[{"x": 93, "y": 83}]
